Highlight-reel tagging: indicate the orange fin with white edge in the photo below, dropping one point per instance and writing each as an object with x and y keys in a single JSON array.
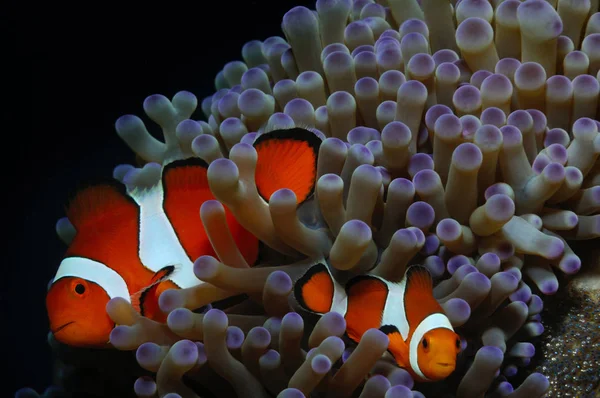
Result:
[
  {"x": 367, "y": 296},
  {"x": 287, "y": 159},
  {"x": 100, "y": 203},
  {"x": 315, "y": 289}
]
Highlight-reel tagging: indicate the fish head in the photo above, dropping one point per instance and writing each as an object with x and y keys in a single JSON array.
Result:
[
  {"x": 437, "y": 353},
  {"x": 77, "y": 312}
]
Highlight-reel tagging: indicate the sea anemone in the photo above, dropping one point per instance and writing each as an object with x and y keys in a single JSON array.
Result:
[{"x": 463, "y": 137}]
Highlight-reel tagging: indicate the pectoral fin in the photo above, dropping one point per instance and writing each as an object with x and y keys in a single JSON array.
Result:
[
  {"x": 397, "y": 346},
  {"x": 146, "y": 300}
]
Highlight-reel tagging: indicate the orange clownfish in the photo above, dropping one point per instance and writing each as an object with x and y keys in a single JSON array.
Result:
[
  {"x": 421, "y": 338},
  {"x": 135, "y": 245}
]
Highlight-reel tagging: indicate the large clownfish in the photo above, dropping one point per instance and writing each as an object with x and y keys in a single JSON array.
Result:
[
  {"x": 136, "y": 245},
  {"x": 421, "y": 338}
]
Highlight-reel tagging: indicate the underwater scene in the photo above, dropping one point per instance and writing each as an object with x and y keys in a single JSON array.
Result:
[{"x": 363, "y": 198}]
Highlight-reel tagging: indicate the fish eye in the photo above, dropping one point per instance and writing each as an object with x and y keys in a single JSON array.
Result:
[
  {"x": 79, "y": 288},
  {"x": 457, "y": 343},
  {"x": 425, "y": 343}
]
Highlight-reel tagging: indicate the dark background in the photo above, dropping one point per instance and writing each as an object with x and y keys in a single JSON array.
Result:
[{"x": 68, "y": 73}]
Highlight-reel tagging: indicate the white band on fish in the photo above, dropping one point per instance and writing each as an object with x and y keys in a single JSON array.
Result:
[
  {"x": 339, "y": 303},
  {"x": 394, "y": 312},
  {"x": 433, "y": 321},
  {"x": 159, "y": 243},
  {"x": 108, "y": 279}
]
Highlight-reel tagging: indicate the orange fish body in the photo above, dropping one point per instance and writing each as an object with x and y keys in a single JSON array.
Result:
[
  {"x": 137, "y": 244},
  {"x": 421, "y": 338}
]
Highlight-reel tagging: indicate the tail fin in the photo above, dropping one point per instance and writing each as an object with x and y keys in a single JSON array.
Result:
[
  {"x": 287, "y": 159},
  {"x": 315, "y": 289}
]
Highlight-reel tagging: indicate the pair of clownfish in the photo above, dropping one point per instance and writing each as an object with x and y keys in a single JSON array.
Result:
[
  {"x": 127, "y": 242},
  {"x": 124, "y": 239}
]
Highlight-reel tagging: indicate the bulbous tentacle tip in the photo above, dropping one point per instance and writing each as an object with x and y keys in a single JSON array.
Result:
[
  {"x": 184, "y": 353},
  {"x": 206, "y": 267},
  {"x": 280, "y": 282},
  {"x": 282, "y": 198},
  {"x": 180, "y": 319},
  {"x": 223, "y": 172},
  {"x": 169, "y": 300},
  {"x": 120, "y": 171},
  {"x": 216, "y": 318},
  {"x": 291, "y": 393},
  {"x": 150, "y": 355},
  {"x": 127, "y": 123},
  {"x": 145, "y": 386},
  {"x": 27, "y": 392},
  {"x": 185, "y": 102},
  {"x": 156, "y": 102},
  {"x": 188, "y": 129},
  {"x": 121, "y": 336}
]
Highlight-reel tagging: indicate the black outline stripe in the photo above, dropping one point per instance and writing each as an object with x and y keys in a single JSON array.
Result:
[
  {"x": 96, "y": 182},
  {"x": 389, "y": 329},
  {"x": 304, "y": 279},
  {"x": 360, "y": 278},
  {"x": 416, "y": 268}
]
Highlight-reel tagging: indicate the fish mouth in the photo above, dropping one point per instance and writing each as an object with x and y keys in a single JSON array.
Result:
[
  {"x": 443, "y": 364},
  {"x": 58, "y": 329}
]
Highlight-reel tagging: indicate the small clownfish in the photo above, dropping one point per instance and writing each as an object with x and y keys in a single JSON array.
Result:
[
  {"x": 421, "y": 338},
  {"x": 137, "y": 244}
]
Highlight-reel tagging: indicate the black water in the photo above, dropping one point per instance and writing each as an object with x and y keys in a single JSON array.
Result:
[{"x": 69, "y": 73}]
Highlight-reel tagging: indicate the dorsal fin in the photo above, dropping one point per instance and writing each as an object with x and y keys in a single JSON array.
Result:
[
  {"x": 185, "y": 186},
  {"x": 95, "y": 203},
  {"x": 185, "y": 189},
  {"x": 185, "y": 174},
  {"x": 418, "y": 296},
  {"x": 367, "y": 296},
  {"x": 419, "y": 277},
  {"x": 287, "y": 159},
  {"x": 107, "y": 224}
]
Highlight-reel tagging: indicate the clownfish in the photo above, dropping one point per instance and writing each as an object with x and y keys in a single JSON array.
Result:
[
  {"x": 421, "y": 338},
  {"x": 137, "y": 244}
]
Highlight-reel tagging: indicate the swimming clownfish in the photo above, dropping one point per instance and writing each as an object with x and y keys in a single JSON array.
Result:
[
  {"x": 421, "y": 338},
  {"x": 135, "y": 245}
]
